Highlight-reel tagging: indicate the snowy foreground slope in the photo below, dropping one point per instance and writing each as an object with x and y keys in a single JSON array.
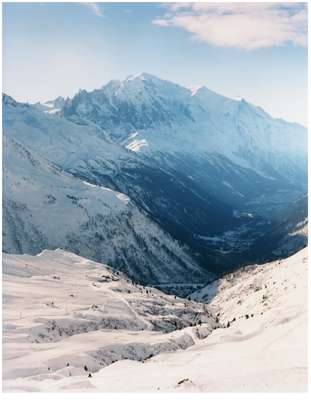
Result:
[{"x": 66, "y": 317}]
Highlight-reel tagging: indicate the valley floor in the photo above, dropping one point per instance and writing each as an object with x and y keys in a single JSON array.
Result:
[{"x": 259, "y": 344}]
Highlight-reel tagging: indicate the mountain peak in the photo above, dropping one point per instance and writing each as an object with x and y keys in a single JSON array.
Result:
[
  {"x": 143, "y": 76},
  {"x": 201, "y": 89},
  {"x": 7, "y": 99}
]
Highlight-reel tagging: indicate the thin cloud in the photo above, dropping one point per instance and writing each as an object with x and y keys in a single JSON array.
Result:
[
  {"x": 246, "y": 26},
  {"x": 94, "y": 7}
]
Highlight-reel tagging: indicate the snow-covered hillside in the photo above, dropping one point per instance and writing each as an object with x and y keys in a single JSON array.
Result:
[
  {"x": 87, "y": 155},
  {"x": 58, "y": 140},
  {"x": 72, "y": 324},
  {"x": 66, "y": 317},
  {"x": 45, "y": 207}
]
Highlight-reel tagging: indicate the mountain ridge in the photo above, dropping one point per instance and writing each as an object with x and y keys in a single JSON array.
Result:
[{"x": 207, "y": 169}]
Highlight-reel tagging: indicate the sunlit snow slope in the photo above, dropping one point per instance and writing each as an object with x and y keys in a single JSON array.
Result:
[
  {"x": 66, "y": 317},
  {"x": 72, "y": 324}
]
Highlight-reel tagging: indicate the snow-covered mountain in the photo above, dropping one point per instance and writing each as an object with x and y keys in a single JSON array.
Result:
[
  {"x": 242, "y": 161},
  {"x": 46, "y": 207},
  {"x": 51, "y": 106},
  {"x": 70, "y": 324},
  {"x": 212, "y": 172},
  {"x": 85, "y": 153},
  {"x": 122, "y": 107},
  {"x": 158, "y": 117},
  {"x": 231, "y": 149}
]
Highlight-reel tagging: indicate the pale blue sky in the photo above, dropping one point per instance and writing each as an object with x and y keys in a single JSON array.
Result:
[{"x": 53, "y": 49}]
